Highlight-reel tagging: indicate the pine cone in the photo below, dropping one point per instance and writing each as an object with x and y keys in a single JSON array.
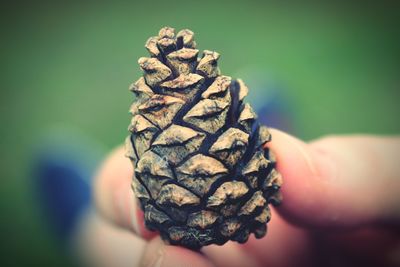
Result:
[{"x": 202, "y": 174}]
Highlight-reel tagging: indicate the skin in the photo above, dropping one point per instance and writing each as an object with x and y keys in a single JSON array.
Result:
[{"x": 341, "y": 208}]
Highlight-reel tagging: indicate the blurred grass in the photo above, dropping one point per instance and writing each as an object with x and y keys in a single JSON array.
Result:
[{"x": 70, "y": 64}]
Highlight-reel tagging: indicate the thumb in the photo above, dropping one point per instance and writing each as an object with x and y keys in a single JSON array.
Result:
[{"x": 339, "y": 181}]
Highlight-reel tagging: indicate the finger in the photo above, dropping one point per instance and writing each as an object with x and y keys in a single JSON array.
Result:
[
  {"x": 230, "y": 254},
  {"x": 158, "y": 254},
  {"x": 338, "y": 181},
  {"x": 98, "y": 243},
  {"x": 284, "y": 245},
  {"x": 366, "y": 246},
  {"x": 114, "y": 197}
]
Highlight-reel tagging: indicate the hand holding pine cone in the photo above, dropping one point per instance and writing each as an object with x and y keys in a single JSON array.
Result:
[{"x": 202, "y": 173}]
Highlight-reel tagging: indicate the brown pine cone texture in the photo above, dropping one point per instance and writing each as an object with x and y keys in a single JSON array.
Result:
[{"x": 202, "y": 173}]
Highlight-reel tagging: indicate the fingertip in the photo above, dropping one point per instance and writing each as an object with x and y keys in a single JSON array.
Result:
[
  {"x": 337, "y": 181},
  {"x": 103, "y": 181},
  {"x": 157, "y": 253},
  {"x": 307, "y": 176},
  {"x": 114, "y": 198}
]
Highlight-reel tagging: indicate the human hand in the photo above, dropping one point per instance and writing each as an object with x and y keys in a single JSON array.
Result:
[{"x": 341, "y": 207}]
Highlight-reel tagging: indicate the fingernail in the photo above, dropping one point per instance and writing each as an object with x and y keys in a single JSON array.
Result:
[
  {"x": 323, "y": 165},
  {"x": 319, "y": 162},
  {"x": 122, "y": 205},
  {"x": 135, "y": 214}
]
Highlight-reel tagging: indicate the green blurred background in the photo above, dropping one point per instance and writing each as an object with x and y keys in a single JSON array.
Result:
[{"x": 69, "y": 64}]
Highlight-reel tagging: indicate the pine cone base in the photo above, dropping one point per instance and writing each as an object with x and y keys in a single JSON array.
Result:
[{"x": 202, "y": 172}]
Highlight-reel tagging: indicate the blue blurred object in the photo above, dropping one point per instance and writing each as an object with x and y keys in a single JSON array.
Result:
[
  {"x": 62, "y": 191},
  {"x": 63, "y": 167},
  {"x": 269, "y": 99}
]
